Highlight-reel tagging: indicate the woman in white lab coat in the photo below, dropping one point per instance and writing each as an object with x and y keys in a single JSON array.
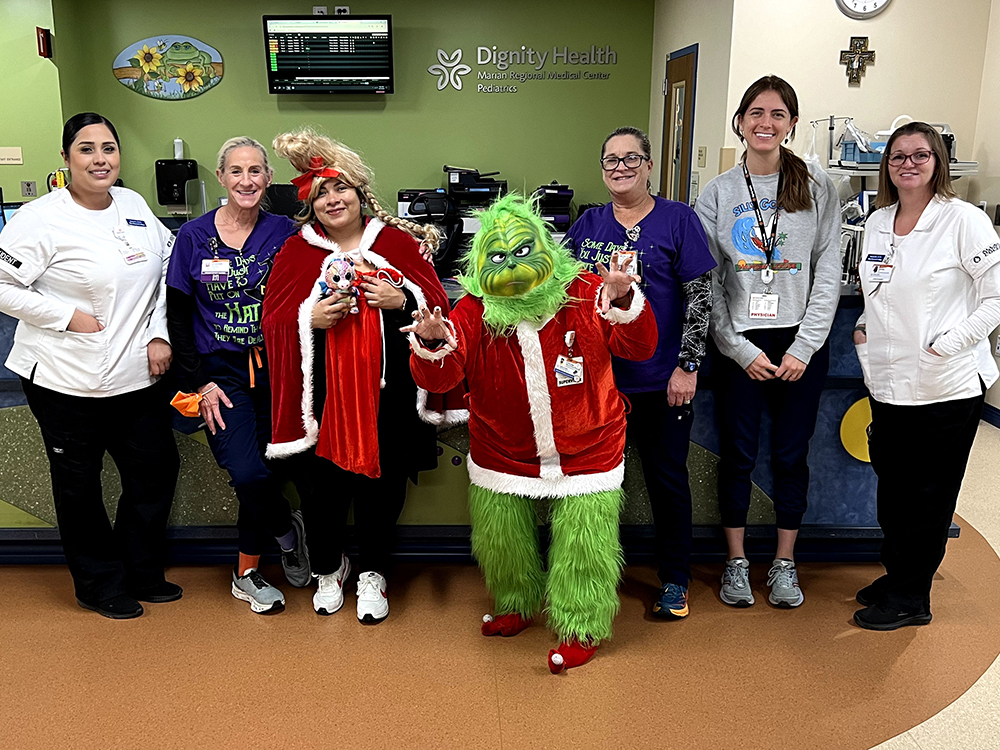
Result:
[
  {"x": 82, "y": 269},
  {"x": 931, "y": 285}
]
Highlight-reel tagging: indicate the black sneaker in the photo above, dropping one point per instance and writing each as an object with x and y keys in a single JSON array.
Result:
[
  {"x": 159, "y": 594},
  {"x": 884, "y": 617},
  {"x": 872, "y": 594},
  {"x": 121, "y": 607}
]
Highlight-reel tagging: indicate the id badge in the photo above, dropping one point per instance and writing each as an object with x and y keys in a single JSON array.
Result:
[
  {"x": 624, "y": 255},
  {"x": 569, "y": 371},
  {"x": 215, "y": 270},
  {"x": 879, "y": 273},
  {"x": 133, "y": 255},
  {"x": 763, "y": 306}
]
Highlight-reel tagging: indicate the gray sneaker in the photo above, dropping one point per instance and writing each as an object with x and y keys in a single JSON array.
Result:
[
  {"x": 296, "y": 562},
  {"x": 784, "y": 582},
  {"x": 736, "y": 583},
  {"x": 264, "y": 598}
]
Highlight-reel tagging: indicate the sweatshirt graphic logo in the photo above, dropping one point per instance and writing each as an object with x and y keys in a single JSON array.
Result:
[{"x": 747, "y": 242}]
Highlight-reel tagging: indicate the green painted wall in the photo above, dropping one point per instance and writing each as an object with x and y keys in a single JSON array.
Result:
[
  {"x": 29, "y": 96},
  {"x": 548, "y": 130}
]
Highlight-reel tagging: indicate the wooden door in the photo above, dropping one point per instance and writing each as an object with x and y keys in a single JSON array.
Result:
[{"x": 678, "y": 124}]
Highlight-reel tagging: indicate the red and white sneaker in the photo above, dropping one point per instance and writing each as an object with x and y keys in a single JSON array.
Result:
[
  {"x": 329, "y": 596},
  {"x": 568, "y": 655},
  {"x": 373, "y": 606}
]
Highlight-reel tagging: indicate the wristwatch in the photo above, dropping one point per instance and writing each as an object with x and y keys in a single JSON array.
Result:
[{"x": 687, "y": 365}]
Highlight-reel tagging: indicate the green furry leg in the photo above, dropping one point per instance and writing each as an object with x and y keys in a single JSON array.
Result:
[
  {"x": 505, "y": 542},
  {"x": 585, "y": 565}
]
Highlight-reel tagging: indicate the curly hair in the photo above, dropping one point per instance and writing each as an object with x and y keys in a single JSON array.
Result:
[{"x": 301, "y": 145}]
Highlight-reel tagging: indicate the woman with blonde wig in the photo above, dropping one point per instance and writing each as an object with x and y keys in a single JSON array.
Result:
[{"x": 344, "y": 403}]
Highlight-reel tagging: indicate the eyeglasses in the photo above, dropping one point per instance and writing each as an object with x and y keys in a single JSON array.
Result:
[
  {"x": 610, "y": 163},
  {"x": 917, "y": 157}
]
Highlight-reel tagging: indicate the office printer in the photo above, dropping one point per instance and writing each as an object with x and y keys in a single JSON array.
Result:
[
  {"x": 554, "y": 205},
  {"x": 471, "y": 190}
]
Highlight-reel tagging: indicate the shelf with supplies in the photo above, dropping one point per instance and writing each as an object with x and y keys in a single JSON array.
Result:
[{"x": 864, "y": 171}]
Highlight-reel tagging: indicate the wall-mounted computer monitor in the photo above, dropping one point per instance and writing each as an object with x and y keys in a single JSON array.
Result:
[{"x": 329, "y": 54}]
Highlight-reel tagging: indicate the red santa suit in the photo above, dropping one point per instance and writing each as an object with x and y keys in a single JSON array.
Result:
[{"x": 529, "y": 436}]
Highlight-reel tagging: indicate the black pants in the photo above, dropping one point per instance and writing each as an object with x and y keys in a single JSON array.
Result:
[
  {"x": 793, "y": 406},
  {"x": 919, "y": 454},
  {"x": 327, "y": 492},
  {"x": 662, "y": 434},
  {"x": 264, "y": 512},
  {"x": 135, "y": 429}
]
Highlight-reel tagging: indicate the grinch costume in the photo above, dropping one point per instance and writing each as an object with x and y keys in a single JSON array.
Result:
[{"x": 545, "y": 421}]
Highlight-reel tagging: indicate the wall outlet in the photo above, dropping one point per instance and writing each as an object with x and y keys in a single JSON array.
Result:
[
  {"x": 29, "y": 189},
  {"x": 702, "y": 156},
  {"x": 342, "y": 10},
  {"x": 319, "y": 10}
]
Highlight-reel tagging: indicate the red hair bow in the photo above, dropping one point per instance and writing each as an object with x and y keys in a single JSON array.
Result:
[{"x": 316, "y": 169}]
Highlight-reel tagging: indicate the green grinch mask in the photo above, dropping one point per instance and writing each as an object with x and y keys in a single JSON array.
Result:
[
  {"x": 512, "y": 261},
  {"x": 516, "y": 267}
]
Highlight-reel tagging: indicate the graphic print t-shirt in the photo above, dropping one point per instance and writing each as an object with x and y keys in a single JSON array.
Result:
[
  {"x": 671, "y": 250},
  {"x": 228, "y": 311}
]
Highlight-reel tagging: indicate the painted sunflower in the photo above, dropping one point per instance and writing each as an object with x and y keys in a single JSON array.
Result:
[
  {"x": 149, "y": 59},
  {"x": 189, "y": 77}
]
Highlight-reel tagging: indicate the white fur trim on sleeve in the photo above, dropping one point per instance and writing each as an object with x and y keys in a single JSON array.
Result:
[
  {"x": 617, "y": 316},
  {"x": 448, "y": 418}
]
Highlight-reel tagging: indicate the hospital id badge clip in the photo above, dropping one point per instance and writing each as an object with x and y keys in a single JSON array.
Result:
[
  {"x": 569, "y": 370},
  {"x": 215, "y": 270},
  {"x": 880, "y": 273},
  {"x": 764, "y": 306}
]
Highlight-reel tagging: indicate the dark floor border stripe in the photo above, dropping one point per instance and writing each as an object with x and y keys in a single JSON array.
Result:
[
  {"x": 991, "y": 415},
  {"x": 204, "y": 545}
]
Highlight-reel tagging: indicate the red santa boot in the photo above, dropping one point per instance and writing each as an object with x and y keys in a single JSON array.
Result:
[
  {"x": 570, "y": 654},
  {"x": 505, "y": 625}
]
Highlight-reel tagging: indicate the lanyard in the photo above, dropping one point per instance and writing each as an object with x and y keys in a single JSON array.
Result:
[{"x": 767, "y": 273}]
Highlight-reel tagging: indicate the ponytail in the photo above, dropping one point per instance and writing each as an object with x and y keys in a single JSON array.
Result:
[
  {"x": 427, "y": 234},
  {"x": 795, "y": 193}
]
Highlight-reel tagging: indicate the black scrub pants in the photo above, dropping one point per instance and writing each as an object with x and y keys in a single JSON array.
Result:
[
  {"x": 264, "y": 513},
  {"x": 793, "y": 406},
  {"x": 135, "y": 429},
  {"x": 919, "y": 454},
  {"x": 327, "y": 492},
  {"x": 662, "y": 434}
]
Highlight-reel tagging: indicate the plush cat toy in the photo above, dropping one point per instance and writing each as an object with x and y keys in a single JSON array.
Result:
[{"x": 533, "y": 338}]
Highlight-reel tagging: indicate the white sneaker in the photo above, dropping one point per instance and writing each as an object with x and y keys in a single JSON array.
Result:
[
  {"x": 373, "y": 606},
  {"x": 329, "y": 596}
]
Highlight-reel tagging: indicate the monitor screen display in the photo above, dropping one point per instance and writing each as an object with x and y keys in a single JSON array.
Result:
[
  {"x": 329, "y": 54},
  {"x": 7, "y": 211}
]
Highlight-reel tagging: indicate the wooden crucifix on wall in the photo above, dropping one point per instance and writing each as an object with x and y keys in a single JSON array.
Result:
[{"x": 856, "y": 59}]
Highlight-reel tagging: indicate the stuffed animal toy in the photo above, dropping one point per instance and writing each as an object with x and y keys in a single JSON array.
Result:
[
  {"x": 533, "y": 338},
  {"x": 341, "y": 277}
]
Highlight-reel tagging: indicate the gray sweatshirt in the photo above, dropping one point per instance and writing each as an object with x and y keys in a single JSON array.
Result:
[{"x": 807, "y": 262}]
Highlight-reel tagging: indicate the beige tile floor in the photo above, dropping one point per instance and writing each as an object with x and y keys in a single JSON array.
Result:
[{"x": 971, "y": 722}]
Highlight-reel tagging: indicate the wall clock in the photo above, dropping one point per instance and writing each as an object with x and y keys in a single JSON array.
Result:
[{"x": 862, "y": 9}]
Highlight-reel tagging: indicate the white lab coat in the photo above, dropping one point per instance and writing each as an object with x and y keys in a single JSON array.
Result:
[
  {"x": 944, "y": 292},
  {"x": 57, "y": 257}
]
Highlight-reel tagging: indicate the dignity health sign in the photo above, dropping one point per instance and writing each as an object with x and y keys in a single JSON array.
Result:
[{"x": 556, "y": 64}]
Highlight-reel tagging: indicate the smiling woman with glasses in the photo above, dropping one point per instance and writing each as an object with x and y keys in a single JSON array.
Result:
[
  {"x": 924, "y": 349},
  {"x": 664, "y": 243}
]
